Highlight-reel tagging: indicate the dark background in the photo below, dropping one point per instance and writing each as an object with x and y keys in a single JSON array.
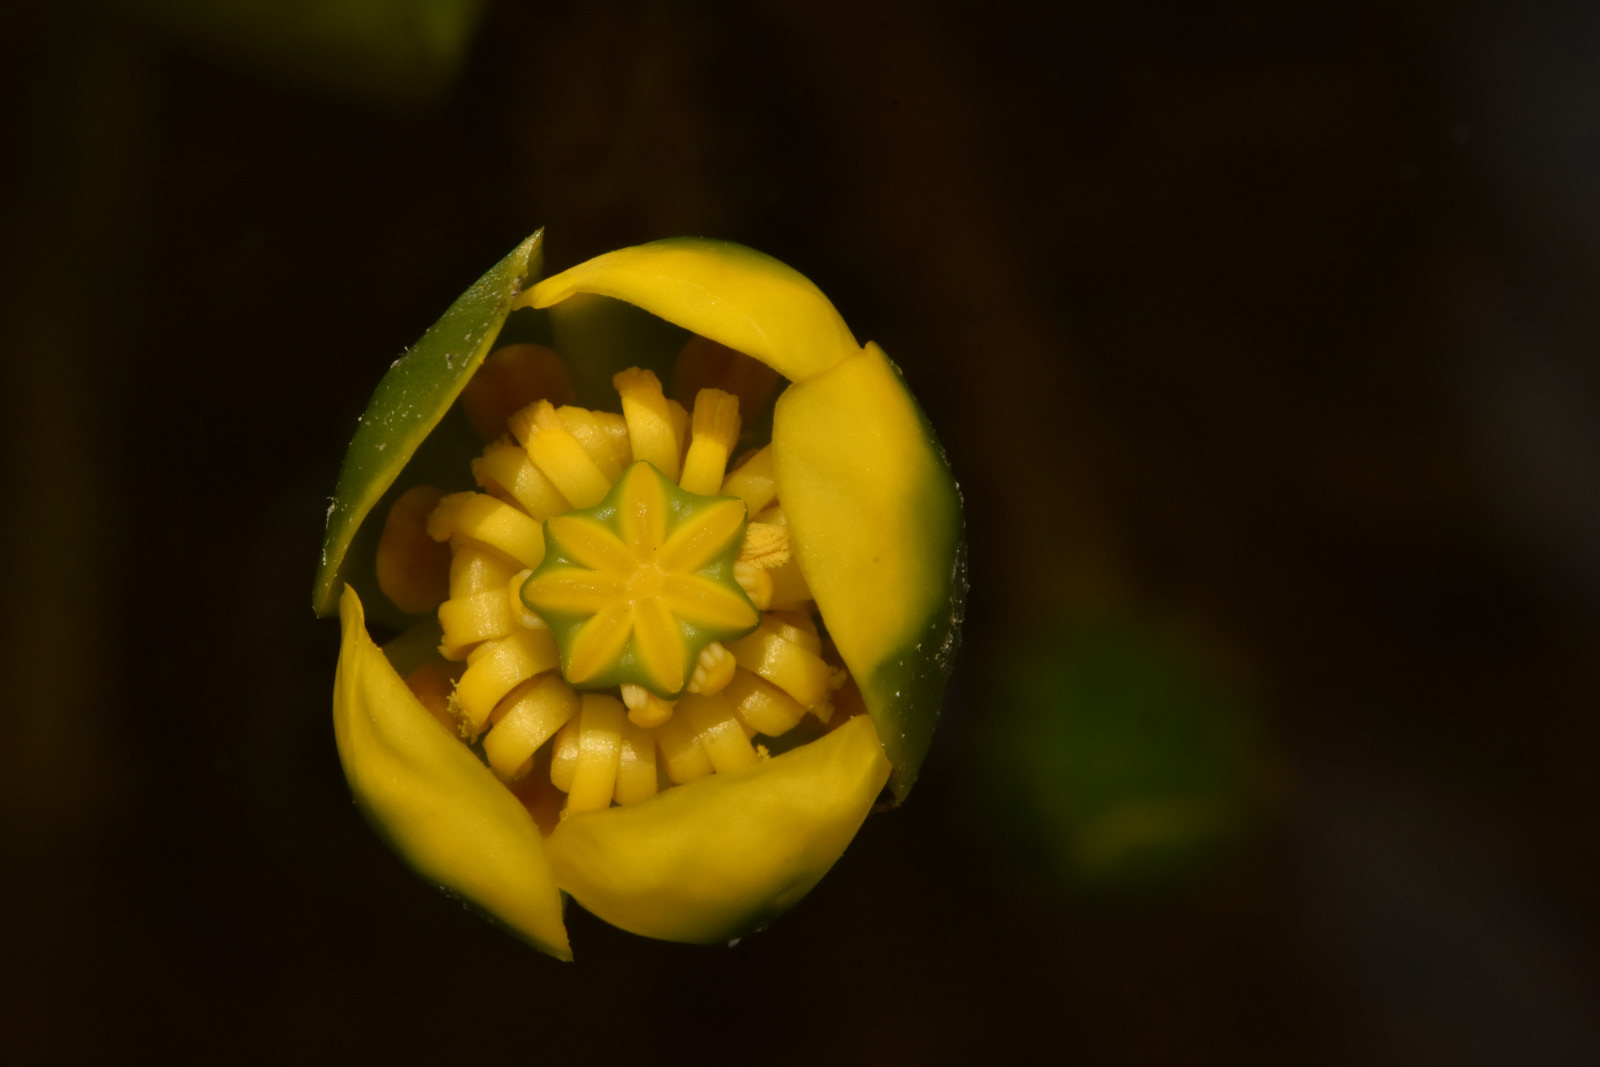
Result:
[{"x": 1262, "y": 338}]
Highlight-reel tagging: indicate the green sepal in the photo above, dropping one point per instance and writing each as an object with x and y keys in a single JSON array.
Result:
[{"x": 412, "y": 400}]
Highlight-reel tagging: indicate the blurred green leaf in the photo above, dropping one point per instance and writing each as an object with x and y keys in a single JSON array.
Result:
[
  {"x": 1121, "y": 764},
  {"x": 393, "y": 52}
]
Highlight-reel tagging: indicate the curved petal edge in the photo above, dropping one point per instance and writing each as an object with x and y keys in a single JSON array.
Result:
[
  {"x": 724, "y": 855},
  {"x": 878, "y": 529},
  {"x": 439, "y": 808},
  {"x": 731, "y": 294}
]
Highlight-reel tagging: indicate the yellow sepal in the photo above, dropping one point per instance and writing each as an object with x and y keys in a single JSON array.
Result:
[
  {"x": 723, "y": 855},
  {"x": 731, "y": 294},
  {"x": 444, "y": 812},
  {"x": 875, "y": 519}
]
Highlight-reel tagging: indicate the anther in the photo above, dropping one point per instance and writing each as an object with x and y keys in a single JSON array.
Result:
[
  {"x": 713, "y": 670},
  {"x": 644, "y": 707},
  {"x": 714, "y": 431}
]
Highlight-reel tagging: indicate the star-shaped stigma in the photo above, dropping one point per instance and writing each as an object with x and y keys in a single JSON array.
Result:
[{"x": 635, "y": 587}]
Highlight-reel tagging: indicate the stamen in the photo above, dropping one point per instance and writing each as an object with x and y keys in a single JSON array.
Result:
[
  {"x": 724, "y": 741},
  {"x": 756, "y": 583},
  {"x": 766, "y": 545},
  {"x": 512, "y": 377},
  {"x": 716, "y": 428},
  {"x": 797, "y": 627},
  {"x": 603, "y": 435},
  {"x": 494, "y": 668},
  {"x": 564, "y": 755},
  {"x": 796, "y": 670},
  {"x": 754, "y": 481},
  {"x": 633, "y": 575},
  {"x": 650, "y": 420},
  {"x": 789, "y": 589},
  {"x": 556, "y": 452},
  {"x": 469, "y": 620},
  {"x": 528, "y": 717},
  {"x": 766, "y": 708},
  {"x": 636, "y": 765},
  {"x": 645, "y": 709},
  {"x": 712, "y": 671},
  {"x": 594, "y": 775},
  {"x": 412, "y": 569},
  {"x": 475, "y": 568},
  {"x": 681, "y": 748},
  {"x": 506, "y": 471},
  {"x": 491, "y": 522}
]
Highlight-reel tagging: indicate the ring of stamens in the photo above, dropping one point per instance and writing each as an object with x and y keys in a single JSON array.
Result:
[{"x": 716, "y": 631}]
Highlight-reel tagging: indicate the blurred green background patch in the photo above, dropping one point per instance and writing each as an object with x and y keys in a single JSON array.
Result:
[
  {"x": 400, "y": 53},
  {"x": 1121, "y": 763}
]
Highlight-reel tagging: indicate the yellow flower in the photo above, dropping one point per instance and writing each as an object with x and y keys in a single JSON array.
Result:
[{"x": 669, "y": 689}]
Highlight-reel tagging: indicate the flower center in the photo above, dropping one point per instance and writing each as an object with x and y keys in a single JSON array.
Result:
[
  {"x": 635, "y": 588},
  {"x": 592, "y": 585},
  {"x": 645, "y": 581}
]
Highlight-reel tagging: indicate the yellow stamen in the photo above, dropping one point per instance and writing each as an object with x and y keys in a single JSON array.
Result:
[
  {"x": 713, "y": 670},
  {"x": 494, "y": 668},
  {"x": 796, "y": 670},
  {"x": 512, "y": 377},
  {"x": 564, "y": 755},
  {"x": 766, "y": 708},
  {"x": 470, "y": 619},
  {"x": 797, "y": 627},
  {"x": 562, "y": 458},
  {"x": 639, "y": 592},
  {"x": 636, "y": 765},
  {"x": 766, "y": 545},
  {"x": 505, "y": 471},
  {"x": 685, "y": 758},
  {"x": 754, "y": 481},
  {"x": 412, "y": 569},
  {"x": 756, "y": 583},
  {"x": 528, "y": 717},
  {"x": 603, "y": 435},
  {"x": 655, "y": 438},
  {"x": 789, "y": 589},
  {"x": 475, "y": 567},
  {"x": 491, "y": 522},
  {"x": 594, "y": 776},
  {"x": 645, "y": 709},
  {"x": 713, "y": 721},
  {"x": 715, "y": 429}
]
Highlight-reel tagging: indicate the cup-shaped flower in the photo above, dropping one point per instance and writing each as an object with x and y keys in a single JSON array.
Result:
[{"x": 630, "y": 673}]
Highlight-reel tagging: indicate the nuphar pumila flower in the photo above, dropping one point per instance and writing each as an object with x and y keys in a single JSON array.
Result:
[{"x": 661, "y": 657}]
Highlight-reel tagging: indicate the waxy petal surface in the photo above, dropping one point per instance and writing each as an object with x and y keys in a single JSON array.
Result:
[
  {"x": 724, "y": 855},
  {"x": 875, "y": 519},
  {"x": 731, "y": 294},
  {"x": 443, "y": 811}
]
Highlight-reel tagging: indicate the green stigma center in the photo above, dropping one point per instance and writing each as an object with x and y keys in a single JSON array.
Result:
[{"x": 637, "y": 586}]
